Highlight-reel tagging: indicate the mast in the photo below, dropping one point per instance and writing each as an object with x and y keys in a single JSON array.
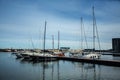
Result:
[
  {"x": 53, "y": 42},
  {"x": 93, "y": 29},
  {"x": 58, "y": 39},
  {"x": 44, "y": 36},
  {"x": 81, "y": 33}
]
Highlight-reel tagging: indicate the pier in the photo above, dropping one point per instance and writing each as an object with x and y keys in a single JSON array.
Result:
[{"x": 93, "y": 61}]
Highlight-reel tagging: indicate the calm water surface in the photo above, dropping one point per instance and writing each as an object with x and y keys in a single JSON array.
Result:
[{"x": 17, "y": 69}]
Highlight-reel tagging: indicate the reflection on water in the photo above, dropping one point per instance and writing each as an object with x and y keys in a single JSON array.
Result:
[
  {"x": 18, "y": 69},
  {"x": 116, "y": 58}
]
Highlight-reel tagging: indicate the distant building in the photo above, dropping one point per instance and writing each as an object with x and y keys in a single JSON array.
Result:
[
  {"x": 64, "y": 48},
  {"x": 116, "y": 44}
]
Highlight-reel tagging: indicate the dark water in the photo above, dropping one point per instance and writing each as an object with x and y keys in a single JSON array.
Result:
[{"x": 16, "y": 69}]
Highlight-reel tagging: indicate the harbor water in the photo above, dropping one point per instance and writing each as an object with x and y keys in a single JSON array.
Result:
[{"x": 18, "y": 69}]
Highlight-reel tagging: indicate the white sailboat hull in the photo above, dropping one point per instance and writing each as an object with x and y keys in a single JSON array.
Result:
[{"x": 92, "y": 56}]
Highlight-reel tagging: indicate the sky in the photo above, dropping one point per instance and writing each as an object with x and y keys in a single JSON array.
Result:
[{"x": 22, "y": 22}]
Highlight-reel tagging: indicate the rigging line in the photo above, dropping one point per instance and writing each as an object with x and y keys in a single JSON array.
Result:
[
  {"x": 39, "y": 32},
  {"x": 53, "y": 42},
  {"x": 40, "y": 37},
  {"x": 97, "y": 32},
  {"x": 85, "y": 36},
  {"x": 98, "y": 38},
  {"x": 81, "y": 33},
  {"x": 32, "y": 43}
]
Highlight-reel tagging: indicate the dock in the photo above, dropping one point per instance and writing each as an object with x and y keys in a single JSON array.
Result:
[
  {"x": 86, "y": 60},
  {"x": 93, "y": 61}
]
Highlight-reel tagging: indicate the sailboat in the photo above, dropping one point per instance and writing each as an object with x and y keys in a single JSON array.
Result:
[
  {"x": 26, "y": 53},
  {"x": 58, "y": 52},
  {"x": 93, "y": 54},
  {"x": 44, "y": 55}
]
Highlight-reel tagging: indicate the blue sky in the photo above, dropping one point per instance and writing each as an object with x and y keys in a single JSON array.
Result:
[{"x": 22, "y": 22}]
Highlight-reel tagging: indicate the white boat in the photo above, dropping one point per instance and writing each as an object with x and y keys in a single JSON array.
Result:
[
  {"x": 43, "y": 57},
  {"x": 92, "y": 55},
  {"x": 58, "y": 53},
  {"x": 75, "y": 53}
]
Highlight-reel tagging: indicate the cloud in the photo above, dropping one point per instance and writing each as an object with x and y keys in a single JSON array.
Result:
[{"x": 25, "y": 19}]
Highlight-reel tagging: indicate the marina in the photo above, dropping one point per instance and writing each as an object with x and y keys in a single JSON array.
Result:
[
  {"x": 59, "y": 40},
  {"x": 31, "y": 56}
]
